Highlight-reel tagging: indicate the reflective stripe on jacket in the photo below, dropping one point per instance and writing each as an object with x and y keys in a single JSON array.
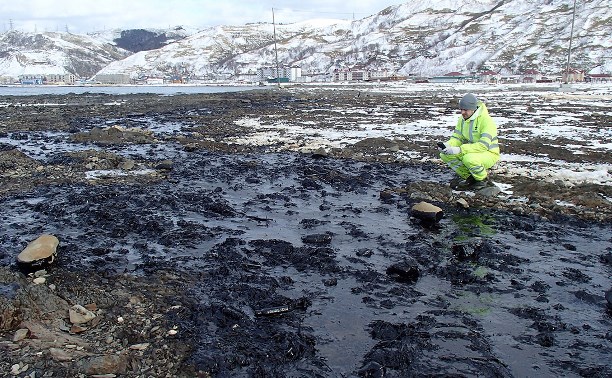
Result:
[{"x": 477, "y": 133}]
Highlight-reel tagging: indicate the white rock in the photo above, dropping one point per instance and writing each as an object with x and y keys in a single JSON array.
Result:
[
  {"x": 42, "y": 248},
  {"x": 142, "y": 346},
  {"x": 39, "y": 280}
]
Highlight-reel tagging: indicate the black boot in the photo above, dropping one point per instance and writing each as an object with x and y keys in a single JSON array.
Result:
[
  {"x": 467, "y": 183},
  {"x": 456, "y": 182}
]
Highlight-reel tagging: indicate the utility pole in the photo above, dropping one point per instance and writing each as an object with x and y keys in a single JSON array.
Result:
[
  {"x": 275, "y": 49},
  {"x": 569, "y": 52},
  {"x": 11, "y": 24}
]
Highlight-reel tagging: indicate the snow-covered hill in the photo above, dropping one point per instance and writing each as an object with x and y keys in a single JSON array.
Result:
[
  {"x": 414, "y": 38},
  {"x": 54, "y": 53},
  {"x": 418, "y": 38}
]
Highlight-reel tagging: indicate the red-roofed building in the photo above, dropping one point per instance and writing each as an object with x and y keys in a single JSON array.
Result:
[
  {"x": 489, "y": 77},
  {"x": 531, "y": 76},
  {"x": 598, "y": 78}
]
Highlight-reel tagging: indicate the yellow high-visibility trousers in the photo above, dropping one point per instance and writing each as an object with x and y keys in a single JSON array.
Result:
[{"x": 472, "y": 164}]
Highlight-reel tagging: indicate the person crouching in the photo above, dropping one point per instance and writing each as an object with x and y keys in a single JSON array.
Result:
[{"x": 473, "y": 147}]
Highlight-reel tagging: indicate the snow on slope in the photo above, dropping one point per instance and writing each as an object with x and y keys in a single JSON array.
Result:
[
  {"x": 53, "y": 53},
  {"x": 418, "y": 38},
  {"x": 414, "y": 38}
]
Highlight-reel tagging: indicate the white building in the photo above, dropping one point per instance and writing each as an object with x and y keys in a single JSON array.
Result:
[
  {"x": 113, "y": 78},
  {"x": 61, "y": 79},
  {"x": 296, "y": 74},
  {"x": 269, "y": 72}
]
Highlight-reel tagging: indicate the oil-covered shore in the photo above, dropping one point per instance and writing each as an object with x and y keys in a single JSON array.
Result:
[{"x": 205, "y": 249}]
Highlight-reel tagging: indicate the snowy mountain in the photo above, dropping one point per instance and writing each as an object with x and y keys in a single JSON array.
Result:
[
  {"x": 54, "y": 53},
  {"x": 418, "y": 38},
  {"x": 414, "y": 38}
]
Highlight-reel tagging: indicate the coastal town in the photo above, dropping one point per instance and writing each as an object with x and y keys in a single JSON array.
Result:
[{"x": 295, "y": 75}]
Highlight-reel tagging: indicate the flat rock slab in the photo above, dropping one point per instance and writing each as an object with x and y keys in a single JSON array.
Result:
[
  {"x": 489, "y": 191},
  {"x": 42, "y": 249}
]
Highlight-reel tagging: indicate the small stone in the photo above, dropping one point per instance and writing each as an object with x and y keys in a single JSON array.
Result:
[
  {"x": 142, "y": 346},
  {"x": 127, "y": 165},
  {"x": 91, "y": 307},
  {"x": 79, "y": 314},
  {"x": 427, "y": 212},
  {"x": 165, "y": 165},
  {"x": 77, "y": 329},
  {"x": 40, "y": 273},
  {"x": 461, "y": 202},
  {"x": 106, "y": 364},
  {"x": 319, "y": 153},
  {"x": 39, "y": 280},
  {"x": 490, "y": 191},
  {"x": 405, "y": 271},
  {"x": 317, "y": 239},
  {"x": 21, "y": 334}
]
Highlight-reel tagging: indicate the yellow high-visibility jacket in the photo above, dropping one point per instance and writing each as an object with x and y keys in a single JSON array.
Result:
[{"x": 477, "y": 133}]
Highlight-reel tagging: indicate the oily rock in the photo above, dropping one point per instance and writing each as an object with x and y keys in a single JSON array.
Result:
[
  {"x": 427, "y": 212},
  {"x": 40, "y": 251}
]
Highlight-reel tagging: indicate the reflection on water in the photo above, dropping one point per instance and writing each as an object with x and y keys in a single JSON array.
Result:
[
  {"x": 169, "y": 90},
  {"x": 474, "y": 225}
]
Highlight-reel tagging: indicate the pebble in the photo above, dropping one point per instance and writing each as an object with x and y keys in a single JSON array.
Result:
[
  {"x": 39, "y": 280},
  {"x": 79, "y": 314},
  {"x": 18, "y": 368},
  {"x": 461, "y": 202},
  {"x": 142, "y": 346},
  {"x": 21, "y": 334},
  {"x": 40, "y": 273},
  {"x": 428, "y": 212},
  {"x": 77, "y": 329}
]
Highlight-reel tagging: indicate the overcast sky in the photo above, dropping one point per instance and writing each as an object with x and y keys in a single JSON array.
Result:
[{"x": 84, "y": 16}]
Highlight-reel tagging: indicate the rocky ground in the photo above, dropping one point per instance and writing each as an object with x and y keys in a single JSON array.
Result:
[{"x": 201, "y": 253}]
